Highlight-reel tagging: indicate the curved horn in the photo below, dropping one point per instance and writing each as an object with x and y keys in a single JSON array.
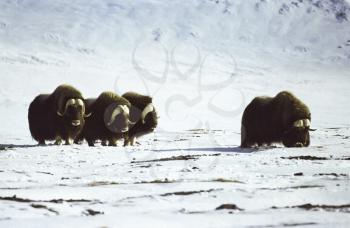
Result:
[
  {"x": 298, "y": 123},
  {"x": 307, "y": 123},
  {"x": 87, "y": 115},
  {"x": 119, "y": 109},
  {"x": 149, "y": 108},
  {"x": 125, "y": 109},
  {"x": 80, "y": 102},
  {"x": 302, "y": 123},
  {"x": 68, "y": 103}
]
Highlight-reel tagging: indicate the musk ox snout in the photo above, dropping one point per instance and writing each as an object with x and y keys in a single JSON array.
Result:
[
  {"x": 76, "y": 123},
  {"x": 297, "y": 137}
]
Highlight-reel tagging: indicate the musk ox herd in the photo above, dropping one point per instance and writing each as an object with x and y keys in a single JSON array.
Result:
[{"x": 66, "y": 115}]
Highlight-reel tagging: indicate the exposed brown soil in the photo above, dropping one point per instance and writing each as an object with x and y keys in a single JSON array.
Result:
[{"x": 228, "y": 207}]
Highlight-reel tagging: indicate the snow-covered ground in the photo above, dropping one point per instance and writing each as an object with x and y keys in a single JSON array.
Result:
[{"x": 202, "y": 61}]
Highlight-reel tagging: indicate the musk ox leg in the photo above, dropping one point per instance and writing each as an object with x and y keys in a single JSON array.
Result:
[
  {"x": 132, "y": 141},
  {"x": 245, "y": 141},
  {"x": 113, "y": 142},
  {"x": 78, "y": 141},
  {"x": 41, "y": 142},
  {"x": 58, "y": 141},
  {"x": 307, "y": 141},
  {"x": 129, "y": 141},
  {"x": 90, "y": 142},
  {"x": 126, "y": 142},
  {"x": 69, "y": 141},
  {"x": 246, "y": 144},
  {"x": 104, "y": 143}
]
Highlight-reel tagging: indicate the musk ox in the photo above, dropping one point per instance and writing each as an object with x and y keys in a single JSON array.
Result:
[
  {"x": 109, "y": 120},
  {"x": 144, "y": 115},
  {"x": 283, "y": 118},
  {"x": 57, "y": 116}
]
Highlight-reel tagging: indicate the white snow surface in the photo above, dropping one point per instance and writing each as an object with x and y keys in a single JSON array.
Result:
[{"x": 202, "y": 61}]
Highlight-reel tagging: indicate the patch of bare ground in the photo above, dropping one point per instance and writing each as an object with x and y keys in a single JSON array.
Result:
[
  {"x": 90, "y": 212},
  {"x": 24, "y": 200},
  {"x": 228, "y": 207},
  {"x": 40, "y": 206},
  {"x": 293, "y": 187},
  {"x": 317, "y": 207},
  {"x": 314, "y": 158}
]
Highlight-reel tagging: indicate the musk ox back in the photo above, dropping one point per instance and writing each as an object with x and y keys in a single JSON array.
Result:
[
  {"x": 109, "y": 119},
  {"x": 144, "y": 115},
  {"x": 57, "y": 116},
  {"x": 283, "y": 118}
]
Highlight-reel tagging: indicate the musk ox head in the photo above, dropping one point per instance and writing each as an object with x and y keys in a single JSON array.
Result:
[
  {"x": 298, "y": 134},
  {"x": 117, "y": 118},
  {"x": 149, "y": 117},
  {"x": 73, "y": 112}
]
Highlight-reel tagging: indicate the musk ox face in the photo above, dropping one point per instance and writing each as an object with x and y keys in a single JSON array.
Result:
[
  {"x": 149, "y": 117},
  {"x": 298, "y": 135},
  {"x": 73, "y": 112},
  {"x": 116, "y": 118}
]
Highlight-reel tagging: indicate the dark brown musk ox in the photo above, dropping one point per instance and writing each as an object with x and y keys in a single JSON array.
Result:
[
  {"x": 283, "y": 118},
  {"x": 143, "y": 114},
  {"x": 57, "y": 116},
  {"x": 109, "y": 120}
]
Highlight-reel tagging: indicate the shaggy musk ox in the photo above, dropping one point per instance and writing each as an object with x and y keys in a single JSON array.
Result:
[
  {"x": 109, "y": 119},
  {"x": 144, "y": 115},
  {"x": 283, "y": 118},
  {"x": 57, "y": 116}
]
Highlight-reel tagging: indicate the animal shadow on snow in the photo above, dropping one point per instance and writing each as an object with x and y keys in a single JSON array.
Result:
[
  {"x": 219, "y": 149},
  {"x": 14, "y": 146}
]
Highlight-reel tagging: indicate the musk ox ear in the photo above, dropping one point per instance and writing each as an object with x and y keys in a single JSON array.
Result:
[{"x": 149, "y": 108}]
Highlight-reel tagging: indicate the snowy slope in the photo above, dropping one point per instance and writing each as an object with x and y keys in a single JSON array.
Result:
[{"x": 203, "y": 61}]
